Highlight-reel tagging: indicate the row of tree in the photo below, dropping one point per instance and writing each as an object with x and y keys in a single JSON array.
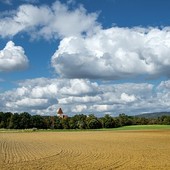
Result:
[{"x": 26, "y": 121}]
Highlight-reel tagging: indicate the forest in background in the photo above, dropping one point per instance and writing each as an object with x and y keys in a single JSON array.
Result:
[{"x": 24, "y": 120}]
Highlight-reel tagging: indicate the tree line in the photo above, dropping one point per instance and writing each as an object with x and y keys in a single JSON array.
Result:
[{"x": 24, "y": 120}]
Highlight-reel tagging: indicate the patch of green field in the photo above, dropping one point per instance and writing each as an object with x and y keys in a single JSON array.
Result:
[
  {"x": 143, "y": 127},
  {"x": 8, "y": 130},
  {"x": 134, "y": 127}
]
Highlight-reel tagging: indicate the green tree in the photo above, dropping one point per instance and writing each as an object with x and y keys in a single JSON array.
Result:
[
  {"x": 73, "y": 123},
  {"x": 141, "y": 121},
  {"x": 14, "y": 121},
  {"x": 37, "y": 121},
  {"x": 166, "y": 120},
  {"x": 1, "y": 120},
  {"x": 65, "y": 123},
  {"x": 5, "y": 119},
  {"x": 58, "y": 123},
  {"x": 82, "y": 124},
  {"x": 93, "y": 122},
  {"x": 25, "y": 120},
  {"x": 108, "y": 121},
  {"x": 78, "y": 122},
  {"x": 125, "y": 120}
]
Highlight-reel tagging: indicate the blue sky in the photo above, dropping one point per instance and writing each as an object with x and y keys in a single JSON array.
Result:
[{"x": 101, "y": 57}]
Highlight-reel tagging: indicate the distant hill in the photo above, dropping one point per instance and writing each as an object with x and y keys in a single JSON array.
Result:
[{"x": 153, "y": 115}]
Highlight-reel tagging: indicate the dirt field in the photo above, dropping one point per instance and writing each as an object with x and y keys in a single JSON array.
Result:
[{"x": 85, "y": 150}]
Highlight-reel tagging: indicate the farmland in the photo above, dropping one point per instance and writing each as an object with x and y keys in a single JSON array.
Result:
[{"x": 124, "y": 149}]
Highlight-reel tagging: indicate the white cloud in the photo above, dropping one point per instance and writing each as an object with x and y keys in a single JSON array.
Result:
[
  {"x": 164, "y": 85},
  {"x": 83, "y": 99},
  {"x": 115, "y": 53},
  {"x": 102, "y": 108},
  {"x": 48, "y": 21},
  {"x": 86, "y": 49},
  {"x": 78, "y": 87},
  {"x": 28, "y": 103},
  {"x": 45, "y": 96},
  {"x": 128, "y": 98},
  {"x": 13, "y": 58},
  {"x": 79, "y": 108}
]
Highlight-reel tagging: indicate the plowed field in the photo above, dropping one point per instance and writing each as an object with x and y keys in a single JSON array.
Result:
[{"x": 90, "y": 150}]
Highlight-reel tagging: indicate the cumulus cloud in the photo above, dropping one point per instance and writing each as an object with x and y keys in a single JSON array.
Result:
[
  {"x": 79, "y": 108},
  {"x": 45, "y": 96},
  {"x": 164, "y": 85},
  {"x": 76, "y": 99},
  {"x": 128, "y": 98},
  {"x": 115, "y": 53},
  {"x": 54, "y": 21},
  {"x": 78, "y": 87},
  {"x": 13, "y": 58},
  {"x": 28, "y": 103},
  {"x": 86, "y": 49}
]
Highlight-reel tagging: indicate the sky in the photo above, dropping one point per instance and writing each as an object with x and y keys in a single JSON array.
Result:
[{"x": 87, "y": 57}]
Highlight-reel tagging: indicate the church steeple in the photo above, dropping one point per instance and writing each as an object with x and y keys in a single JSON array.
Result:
[{"x": 61, "y": 114}]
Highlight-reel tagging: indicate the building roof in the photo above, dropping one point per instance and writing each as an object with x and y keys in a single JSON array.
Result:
[{"x": 60, "y": 112}]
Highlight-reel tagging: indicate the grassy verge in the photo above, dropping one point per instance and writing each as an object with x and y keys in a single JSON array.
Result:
[
  {"x": 143, "y": 127},
  {"x": 124, "y": 128}
]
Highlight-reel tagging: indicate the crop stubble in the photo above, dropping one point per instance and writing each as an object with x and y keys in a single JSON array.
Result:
[{"x": 85, "y": 150}]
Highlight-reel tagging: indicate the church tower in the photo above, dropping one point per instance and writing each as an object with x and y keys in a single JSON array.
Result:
[{"x": 60, "y": 114}]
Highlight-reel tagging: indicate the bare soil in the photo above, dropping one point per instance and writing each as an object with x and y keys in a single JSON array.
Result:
[{"x": 91, "y": 150}]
